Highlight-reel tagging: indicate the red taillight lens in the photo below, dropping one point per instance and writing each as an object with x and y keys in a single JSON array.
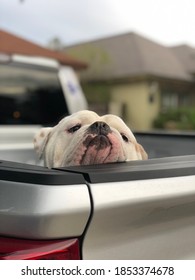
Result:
[{"x": 22, "y": 249}]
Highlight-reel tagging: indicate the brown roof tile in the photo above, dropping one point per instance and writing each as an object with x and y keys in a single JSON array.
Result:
[{"x": 12, "y": 44}]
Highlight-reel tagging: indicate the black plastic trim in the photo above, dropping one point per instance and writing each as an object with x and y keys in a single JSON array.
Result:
[
  {"x": 32, "y": 174},
  {"x": 137, "y": 170},
  {"x": 113, "y": 172}
]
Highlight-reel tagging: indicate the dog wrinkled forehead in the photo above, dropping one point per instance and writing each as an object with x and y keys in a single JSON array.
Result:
[
  {"x": 89, "y": 117},
  {"x": 81, "y": 117},
  {"x": 117, "y": 123}
]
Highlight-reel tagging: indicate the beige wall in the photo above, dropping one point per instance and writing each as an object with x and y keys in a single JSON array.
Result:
[{"x": 140, "y": 113}]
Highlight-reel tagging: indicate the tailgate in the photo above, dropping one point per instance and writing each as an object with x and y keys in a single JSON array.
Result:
[{"x": 142, "y": 209}]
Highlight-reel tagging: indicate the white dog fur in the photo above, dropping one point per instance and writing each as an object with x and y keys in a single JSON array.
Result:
[{"x": 85, "y": 138}]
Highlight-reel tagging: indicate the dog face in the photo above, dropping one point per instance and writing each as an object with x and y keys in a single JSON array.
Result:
[{"x": 86, "y": 138}]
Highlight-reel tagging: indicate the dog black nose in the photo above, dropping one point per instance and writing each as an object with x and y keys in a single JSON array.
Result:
[{"x": 99, "y": 128}]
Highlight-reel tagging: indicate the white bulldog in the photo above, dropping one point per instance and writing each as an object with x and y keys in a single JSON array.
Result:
[{"x": 85, "y": 138}]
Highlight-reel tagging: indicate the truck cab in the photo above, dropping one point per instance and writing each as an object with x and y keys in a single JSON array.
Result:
[{"x": 34, "y": 92}]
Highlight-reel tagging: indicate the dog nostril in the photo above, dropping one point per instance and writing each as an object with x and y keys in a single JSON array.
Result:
[
  {"x": 103, "y": 125},
  {"x": 100, "y": 127},
  {"x": 100, "y": 124}
]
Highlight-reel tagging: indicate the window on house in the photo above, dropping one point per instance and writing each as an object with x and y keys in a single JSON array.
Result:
[
  {"x": 174, "y": 100},
  {"x": 170, "y": 100}
]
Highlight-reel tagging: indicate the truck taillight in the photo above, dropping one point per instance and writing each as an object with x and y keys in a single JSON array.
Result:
[{"x": 23, "y": 249}]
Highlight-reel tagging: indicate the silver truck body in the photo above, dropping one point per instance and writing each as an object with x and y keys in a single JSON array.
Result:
[
  {"x": 143, "y": 219},
  {"x": 136, "y": 210}
]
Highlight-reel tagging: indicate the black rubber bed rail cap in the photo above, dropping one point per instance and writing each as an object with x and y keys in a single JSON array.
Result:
[
  {"x": 137, "y": 170},
  {"x": 32, "y": 174}
]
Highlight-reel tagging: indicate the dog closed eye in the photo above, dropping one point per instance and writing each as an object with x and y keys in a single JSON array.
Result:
[
  {"x": 74, "y": 128},
  {"x": 125, "y": 138}
]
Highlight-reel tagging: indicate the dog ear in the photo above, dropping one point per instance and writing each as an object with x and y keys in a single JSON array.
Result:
[
  {"x": 41, "y": 139},
  {"x": 141, "y": 151}
]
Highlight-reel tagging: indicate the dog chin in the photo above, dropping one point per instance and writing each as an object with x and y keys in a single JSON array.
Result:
[{"x": 100, "y": 149}]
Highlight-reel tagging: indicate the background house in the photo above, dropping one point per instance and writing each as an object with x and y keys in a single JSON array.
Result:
[{"x": 136, "y": 78}]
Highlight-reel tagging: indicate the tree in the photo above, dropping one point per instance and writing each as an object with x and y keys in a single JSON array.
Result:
[{"x": 55, "y": 44}]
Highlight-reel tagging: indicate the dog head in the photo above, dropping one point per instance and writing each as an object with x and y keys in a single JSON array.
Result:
[{"x": 86, "y": 138}]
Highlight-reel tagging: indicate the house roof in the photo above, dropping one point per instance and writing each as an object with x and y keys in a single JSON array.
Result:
[
  {"x": 12, "y": 44},
  {"x": 128, "y": 55},
  {"x": 186, "y": 54}
]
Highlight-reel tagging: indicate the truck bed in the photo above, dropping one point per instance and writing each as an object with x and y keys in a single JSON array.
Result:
[{"x": 131, "y": 210}]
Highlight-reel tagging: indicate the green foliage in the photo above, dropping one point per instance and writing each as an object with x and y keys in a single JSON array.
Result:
[
  {"x": 181, "y": 118},
  {"x": 94, "y": 55},
  {"x": 97, "y": 93}
]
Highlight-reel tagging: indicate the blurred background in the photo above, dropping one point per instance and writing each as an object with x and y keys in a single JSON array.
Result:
[{"x": 135, "y": 59}]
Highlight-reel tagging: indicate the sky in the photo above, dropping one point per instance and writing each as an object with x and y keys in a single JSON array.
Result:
[{"x": 169, "y": 22}]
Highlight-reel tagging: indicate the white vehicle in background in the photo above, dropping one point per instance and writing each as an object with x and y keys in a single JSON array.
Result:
[{"x": 34, "y": 92}]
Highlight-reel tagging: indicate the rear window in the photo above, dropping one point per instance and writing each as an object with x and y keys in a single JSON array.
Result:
[{"x": 30, "y": 95}]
